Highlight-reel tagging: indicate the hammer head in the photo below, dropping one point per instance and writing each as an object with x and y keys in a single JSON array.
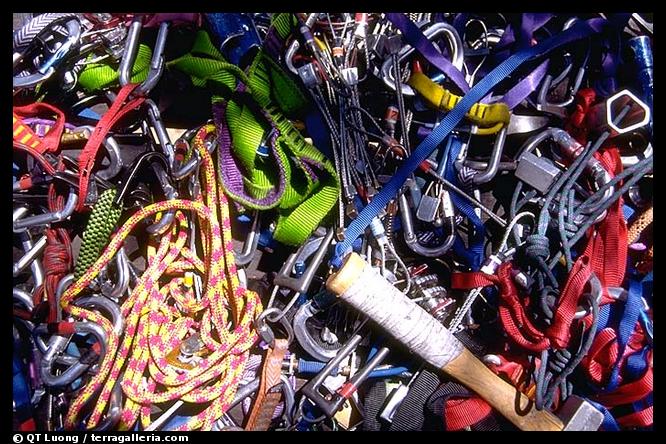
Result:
[{"x": 579, "y": 415}]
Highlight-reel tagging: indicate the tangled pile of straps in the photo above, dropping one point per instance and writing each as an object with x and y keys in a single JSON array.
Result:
[{"x": 184, "y": 185}]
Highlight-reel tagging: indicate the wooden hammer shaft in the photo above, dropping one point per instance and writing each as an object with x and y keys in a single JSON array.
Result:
[{"x": 365, "y": 289}]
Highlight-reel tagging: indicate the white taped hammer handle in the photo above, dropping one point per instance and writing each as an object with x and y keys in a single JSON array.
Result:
[{"x": 362, "y": 287}]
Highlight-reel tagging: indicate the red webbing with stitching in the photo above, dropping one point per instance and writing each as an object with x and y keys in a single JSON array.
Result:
[
  {"x": 560, "y": 330},
  {"x": 110, "y": 118},
  {"x": 51, "y": 141},
  {"x": 608, "y": 254},
  {"x": 462, "y": 413},
  {"x": 643, "y": 418}
]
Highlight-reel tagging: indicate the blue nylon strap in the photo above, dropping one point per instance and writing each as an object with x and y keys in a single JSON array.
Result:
[
  {"x": 23, "y": 408},
  {"x": 632, "y": 310},
  {"x": 430, "y": 143},
  {"x": 636, "y": 364}
]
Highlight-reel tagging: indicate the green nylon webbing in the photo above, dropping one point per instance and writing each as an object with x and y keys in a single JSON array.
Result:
[
  {"x": 284, "y": 23},
  {"x": 98, "y": 76},
  {"x": 305, "y": 202},
  {"x": 102, "y": 221}
]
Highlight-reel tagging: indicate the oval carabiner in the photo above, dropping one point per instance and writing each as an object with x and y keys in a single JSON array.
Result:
[
  {"x": 559, "y": 108},
  {"x": 455, "y": 43}
]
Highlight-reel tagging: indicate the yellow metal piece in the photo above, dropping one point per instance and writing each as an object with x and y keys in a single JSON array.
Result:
[
  {"x": 189, "y": 279},
  {"x": 489, "y": 118}
]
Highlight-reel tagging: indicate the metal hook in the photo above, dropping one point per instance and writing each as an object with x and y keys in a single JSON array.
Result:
[
  {"x": 187, "y": 168},
  {"x": 251, "y": 242},
  {"x": 155, "y": 118},
  {"x": 301, "y": 284},
  {"x": 408, "y": 228},
  {"x": 455, "y": 43},
  {"x": 57, "y": 344},
  {"x": 116, "y": 291},
  {"x": 131, "y": 49},
  {"x": 30, "y": 255},
  {"x": 49, "y": 218},
  {"x": 489, "y": 173},
  {"x": 160, "y": 165},
  {"x": 266, "y": 333},
  {"x": 306, "y": 311},
  {"x": 559, "y": 108}
]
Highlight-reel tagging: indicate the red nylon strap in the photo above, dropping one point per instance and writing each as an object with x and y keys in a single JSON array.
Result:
[
  {"x": 462, "y": 413},
  {"x": 600, "y": 360},
  {"x": 51, "y": 141},
  {"x": 25, "y": 182},
  {"x": 629, "y": 392},
  {"x": 601, "y": 356},
  {"x": 513, "y": 316},
  {"x": 609, "y": 259},
  {"x": 515, "y": 320},
  {"x": 110, "y": 118},
  {"x": 560, "y": 330},
  {"x": 608, "y": 250},
  {"x": 576, "y": 124},
  {"x": 643, "y": 418},
  {"x": 515, "y": 369},
  {"x": 27, "y": 426},
  {"x": 474, "y": 279}
]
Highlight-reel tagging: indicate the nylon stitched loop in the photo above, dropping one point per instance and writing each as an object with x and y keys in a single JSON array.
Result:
[
  {"x": 513, "y": 308},
  {"x": 161, "y": 309},
  {"x": 293, "y": 175},
  {"x": 23, "y": 134},
  {"x": 111, "y": 117}
]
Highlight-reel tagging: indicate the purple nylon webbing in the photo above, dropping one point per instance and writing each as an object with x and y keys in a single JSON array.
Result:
[
  {"x": 524, "y": 88},
  {"x": 418, "y": 40},
  {"x": 230, "y": 173}
]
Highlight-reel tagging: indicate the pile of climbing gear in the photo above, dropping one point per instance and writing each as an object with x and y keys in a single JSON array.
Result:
[{"x": 332, "y": 221}]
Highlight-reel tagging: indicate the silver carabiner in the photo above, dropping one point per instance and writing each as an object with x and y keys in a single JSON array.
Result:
[
  {"x": 250, "y": 244},
  {"x": 46, "y": 70},
  {"x": 156, "y": 62},
  {"x": 48, "y": 218},
  {"x": 457, "y": 56},
  {"x": 410, "y": 237},
  {"x": 559, "y": 108}
]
